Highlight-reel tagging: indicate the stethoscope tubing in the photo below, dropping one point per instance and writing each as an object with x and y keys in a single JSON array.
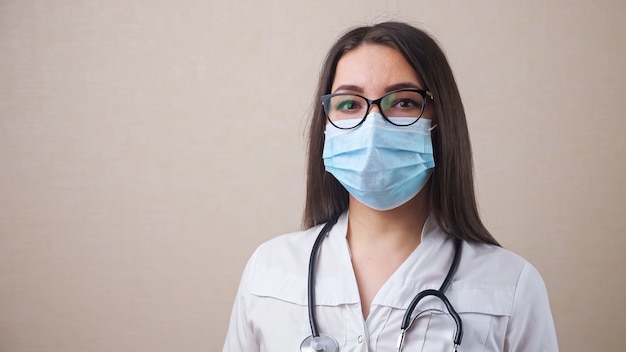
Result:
[
  {"x": 406, "y": 320},
  {"x": 311, "y": 281},
  {"x": 440, "y": 293}
]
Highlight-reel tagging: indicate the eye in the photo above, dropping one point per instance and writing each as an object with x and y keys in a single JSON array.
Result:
[
  {"x": 347, "y": 104},
  {"x": 405, "y": 104}
]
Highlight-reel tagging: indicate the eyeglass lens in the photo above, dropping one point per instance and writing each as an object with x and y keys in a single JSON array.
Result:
[{"x": 348, "y": 109}]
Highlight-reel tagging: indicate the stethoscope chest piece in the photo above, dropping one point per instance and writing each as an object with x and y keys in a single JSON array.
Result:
[{"x": 322, "y": 343}]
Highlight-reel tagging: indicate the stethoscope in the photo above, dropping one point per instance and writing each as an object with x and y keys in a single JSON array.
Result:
[{"x": 325, "y": 343}]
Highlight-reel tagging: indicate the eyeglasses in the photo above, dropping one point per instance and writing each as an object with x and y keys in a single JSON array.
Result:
[{"x": 401, "y": 107}]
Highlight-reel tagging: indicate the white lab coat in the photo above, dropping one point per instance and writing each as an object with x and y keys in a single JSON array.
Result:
[{"x": 500, "y": 297}]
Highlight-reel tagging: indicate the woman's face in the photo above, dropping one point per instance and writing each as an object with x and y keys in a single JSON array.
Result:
[{"x": 372, "y": 70}]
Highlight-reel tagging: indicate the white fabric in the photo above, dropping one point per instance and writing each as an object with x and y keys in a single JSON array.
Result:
[{"x": 500, "y": 297}]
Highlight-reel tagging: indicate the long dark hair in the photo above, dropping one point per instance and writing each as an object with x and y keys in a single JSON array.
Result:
[{"x": 453, "y": 202}]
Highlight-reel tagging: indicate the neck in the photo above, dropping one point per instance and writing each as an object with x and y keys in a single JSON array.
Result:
[{"x": 400, "y": 227}]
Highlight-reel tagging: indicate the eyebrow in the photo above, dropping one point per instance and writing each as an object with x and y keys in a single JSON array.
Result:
[{"x": 391, "y": 88}]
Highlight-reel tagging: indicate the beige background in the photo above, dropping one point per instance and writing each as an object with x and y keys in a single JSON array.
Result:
[{"x": 147, "y": 147}]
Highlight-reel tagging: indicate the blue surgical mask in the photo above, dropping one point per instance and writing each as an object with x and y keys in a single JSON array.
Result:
[{"x": 382, "y": 165}]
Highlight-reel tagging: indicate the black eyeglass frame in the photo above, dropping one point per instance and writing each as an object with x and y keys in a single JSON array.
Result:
[{"x": 326, "y": 99}]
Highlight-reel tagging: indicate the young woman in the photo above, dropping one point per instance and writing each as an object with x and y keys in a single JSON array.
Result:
[{"x": 402, "y": 260}]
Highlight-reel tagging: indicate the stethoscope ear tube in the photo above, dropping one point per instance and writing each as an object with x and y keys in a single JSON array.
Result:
[
  {"x": 406, "y": 322},
  {"x": 440, "y": 293}
]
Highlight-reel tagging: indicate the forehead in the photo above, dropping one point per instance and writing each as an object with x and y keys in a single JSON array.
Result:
[{"x": 373, "y": 67}]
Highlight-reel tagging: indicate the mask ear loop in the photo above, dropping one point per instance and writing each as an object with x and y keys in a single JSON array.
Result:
[{"x": 432, "y": 128}]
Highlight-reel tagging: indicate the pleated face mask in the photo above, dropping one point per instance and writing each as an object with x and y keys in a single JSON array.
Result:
[{"x": 382, "y": 165}]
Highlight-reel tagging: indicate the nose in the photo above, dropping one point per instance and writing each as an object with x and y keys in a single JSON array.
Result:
[{"x": 374, "y": 108}]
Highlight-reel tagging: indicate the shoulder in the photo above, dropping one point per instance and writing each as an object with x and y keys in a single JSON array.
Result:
[
  {"x": 498, "y": 282},
  {"x": 496, "y": 265},
  {"x": 504, "y": 276},
  {"x": 278, "y": 267},
  {"x": 286, "y": 250},
  {"x": 517, "y": 291}
]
